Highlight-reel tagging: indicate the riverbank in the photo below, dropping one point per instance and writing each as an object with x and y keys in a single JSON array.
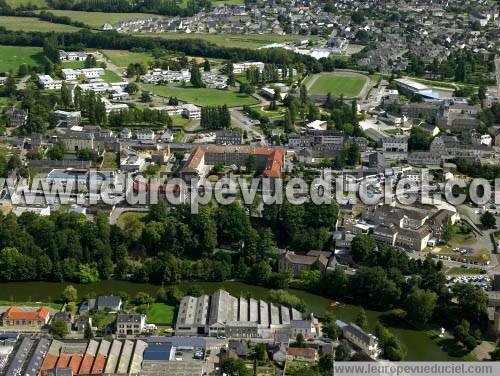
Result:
[{"x": 419, "y": 345}]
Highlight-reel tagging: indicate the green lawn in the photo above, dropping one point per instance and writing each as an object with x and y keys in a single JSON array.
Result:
[
  {"x": 251, "y": 41},
  {"x": 203, "y": 96},
  {"x": 127, "y": 217},
  {"x": 349, "y": 86},
  {"x": 33, "y": 24},
  {"x": 123, "y": 58},
  {"x": 97, "y": 19},
  {"x": 109, "y": 161},
  {"x": 110, "y": 77},
  {"x": 55, "y": 306},
  {"x": 73, "y": 64},
  {"x": 159, "y": 313},
  {"x": 11, "y": 57}
]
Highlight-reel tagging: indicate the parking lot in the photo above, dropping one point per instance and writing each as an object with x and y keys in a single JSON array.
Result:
[{"x": 481, "y": 281}]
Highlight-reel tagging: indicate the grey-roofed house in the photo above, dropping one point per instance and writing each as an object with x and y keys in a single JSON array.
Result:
[
  {"x": 113, "y": 303},
  {"x": 365, "y": 341},
  {"x": 36, "y": 360},
  {"x": 130, "y": 324}
]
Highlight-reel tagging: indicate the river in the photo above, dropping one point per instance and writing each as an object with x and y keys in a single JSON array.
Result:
[{"x": 418, "y": 344}]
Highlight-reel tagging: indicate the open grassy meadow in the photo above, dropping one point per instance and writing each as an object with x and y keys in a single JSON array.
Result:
[
  {"x": 203, "y": 96},
  {"x": 337, "y": 84},
  {"x": 33, "y": 24},
  {"x": 252, "y": 41},
  {"x": 123, "y": 58},
  {"x": 97, "y": 19},
  {"x": 11, "y": 57}
]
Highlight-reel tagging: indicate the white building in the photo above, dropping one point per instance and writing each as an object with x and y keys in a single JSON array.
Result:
[
  {"x": 47, "y": 82},
  {"x": 242, "y": 67},
  {"x": 145, "y": 135},
  {"x": 72, "y": 56},
  {"x": 318, "y": 125},
  {"x": 88, "y": 73},
  {"x": 125, "y": 134},
  {"x": 191, "y": 111}
]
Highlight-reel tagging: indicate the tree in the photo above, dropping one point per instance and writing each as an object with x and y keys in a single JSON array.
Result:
[
  {"x": 325, "y": 364},
  {"x": 488, "y": 220},
  {"x": 196, "y": 79},
  {"x": 59, "y": 328},
  {"x": 363, "y": 247},
  {"x": 303, "y": 95},
  {"x": 299, "y": 340},
  {"x": 56, "y": 152},
  {"x": 235, "y": 367},
  {"x": 362, "y": 320},
  {"x": 448, "y": 230},
  {"x": 206, "y": 65},
  {"x": 419, "y": 139},
  {"x": 261, "y": 352},
  {"x": 146, "y": 97},
  {"x": 70, "y": 294},
  {"x": 330, "y": 328},
  {"x": 66, "y": 95},
  {"x": 143, "y": 298},
  {"x": 132, "y": 88},
  {"x": 343, "y": 351},
  {"x": 87, "y": 332},
  {"x": 420, "y": 306}
]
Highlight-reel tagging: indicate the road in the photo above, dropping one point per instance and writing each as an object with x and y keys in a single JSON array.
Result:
[
  {"x": 116, "y": 212},
  {"x": 242, "y": 121}
]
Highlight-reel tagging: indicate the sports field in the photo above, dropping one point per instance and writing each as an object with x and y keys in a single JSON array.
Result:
[
  {"x": 336, "y": 84},
  {"x": 11, "y": 57},
  {"x": 123, "y": 58},
  {"x": 33, "y": 24},
  {"x": 203, "y": 96},
  {"x": 97, "y": 19}
]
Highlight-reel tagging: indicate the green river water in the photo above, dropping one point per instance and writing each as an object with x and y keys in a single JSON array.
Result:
[{"x": 418, "y": 344}]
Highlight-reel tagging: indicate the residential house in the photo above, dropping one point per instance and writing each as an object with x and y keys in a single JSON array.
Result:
[
  {"x": 228, "y": 138},
  {"x": 359, "y": 338},
  {"x": 26, "y": 318},
  {"x": 306, "y": 354},
  {"x": 130, "y": 324},
  {"x": 82, "y": 322},
  {"x": 16, "y": 117},
  {"x": 191, "y": 111},
  {"x": 300, "y": 263},
  {"x": 125, "y": 134},
  {"x": 145, "y": 135},
  {"x": 68, "y": 119},
  {"x": 64, "y": 316}
]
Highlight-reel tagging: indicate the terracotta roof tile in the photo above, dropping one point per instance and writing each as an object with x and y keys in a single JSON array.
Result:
[{"x": 16, "y": 314}]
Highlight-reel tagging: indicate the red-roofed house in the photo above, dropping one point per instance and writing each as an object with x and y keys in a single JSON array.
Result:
[
  {"x": 14, "y": 316},
  {"x": 303, "y": 354}
]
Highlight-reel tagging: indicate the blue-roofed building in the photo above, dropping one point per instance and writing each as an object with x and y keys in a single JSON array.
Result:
[{"x": 160, "y": 352}]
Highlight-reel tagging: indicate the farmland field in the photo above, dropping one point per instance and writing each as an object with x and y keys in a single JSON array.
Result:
[
  {"x": 123, "y": 58},
  {"x": 13, "y": 56},
  {"x": 233, "y": 40},
  {"x": 336, "y": 84},
  {"x": 33, "y": 24},
  {"x": 203, "y": 96},
  {"x": 97, "y": 19}
]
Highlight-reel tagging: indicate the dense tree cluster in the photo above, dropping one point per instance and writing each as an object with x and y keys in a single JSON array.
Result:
[
  {"x": 215, "y": 117},
  {"x": 477, "y": 169},
  {"x": 163, "y": 7},
  {"x": 139, "y": 116}
]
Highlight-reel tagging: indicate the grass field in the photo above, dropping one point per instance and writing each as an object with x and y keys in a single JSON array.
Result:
[
  {"x": 33, "y": 24},
  {"x": 110, "y": 77},
  {"x": 202, "y": 97},
  {"x": 159, "y": 313},
  {"x": 73, "y": 64},
  {"x": 349, "y": 86},
  {"x": 17, "y": 3},
  {"x": 123, "y": 58},
  {"x": 233, "y": 40},
  {"x": 11, "y": 57},
  {"x": 97, "y": 19}
]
